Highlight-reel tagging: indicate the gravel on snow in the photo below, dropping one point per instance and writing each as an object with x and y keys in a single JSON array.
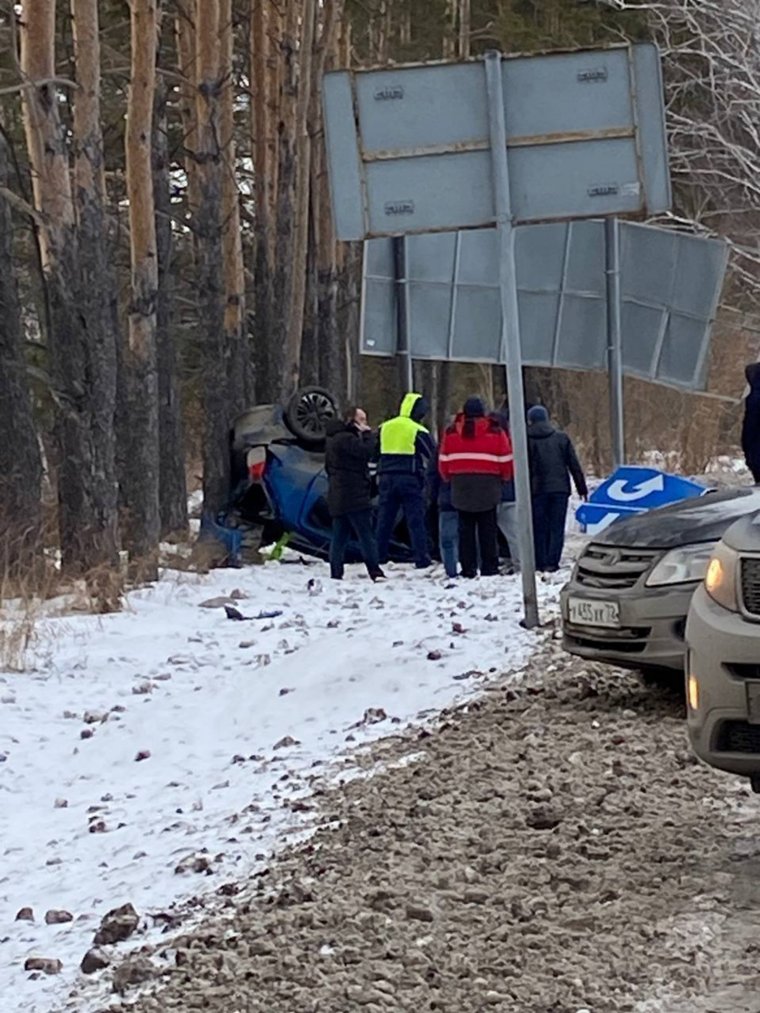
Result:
[{"x": 552, "y": 847}]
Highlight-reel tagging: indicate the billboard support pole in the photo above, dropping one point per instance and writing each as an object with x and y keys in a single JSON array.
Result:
[
  {"x": 614, "y": 340},
  {"x": 401, "y": 288},
  {"x": 510, "y": 331}
]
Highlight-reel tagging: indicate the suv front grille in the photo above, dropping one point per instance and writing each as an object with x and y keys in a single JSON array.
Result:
[
  {"x": 750, "y": 574},
  {"x": 605, "y": 566},
  {"x": 738, "y": 737}
]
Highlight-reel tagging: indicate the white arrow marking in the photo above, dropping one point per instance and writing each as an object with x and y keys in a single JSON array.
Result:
[
  {"x": 619, "y": 492},
  {"x": 594, "y": 527}
]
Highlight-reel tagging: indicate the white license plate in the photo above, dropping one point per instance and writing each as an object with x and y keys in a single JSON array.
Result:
[{"x": 590, "y": 612}]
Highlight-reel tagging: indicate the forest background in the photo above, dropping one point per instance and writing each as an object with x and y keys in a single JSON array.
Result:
[{"x": 167, "y": 253}]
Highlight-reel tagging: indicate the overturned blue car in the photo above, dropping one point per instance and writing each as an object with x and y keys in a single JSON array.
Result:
[{"x": 278, "y": 487}]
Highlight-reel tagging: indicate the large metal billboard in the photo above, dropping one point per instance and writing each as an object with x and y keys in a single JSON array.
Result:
[
  {"x": 670, "y": 289},
  {"x": 585, "y": 137},
  {"x": 496, "y": 142}
]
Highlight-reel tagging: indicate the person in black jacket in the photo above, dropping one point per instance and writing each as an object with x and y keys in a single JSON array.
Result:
[
  {"x": 751, "y": 422},
  {"x": 552, "y": 462},
  {"x": 349, "y": 448}
]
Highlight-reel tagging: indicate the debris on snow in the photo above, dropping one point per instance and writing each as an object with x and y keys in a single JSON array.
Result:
[
  {"x": 46, "y": 965},
  {"x": 285, "y": 742},
  {"x": 94, "y": 960},
  {"x": 135, "y": 971},
  {"x": 117, "y": 925},
  {"x": 54, "y": 917}
]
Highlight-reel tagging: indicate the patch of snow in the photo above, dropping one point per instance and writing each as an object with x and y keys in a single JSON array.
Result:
[{"x": 169, "y": 732}]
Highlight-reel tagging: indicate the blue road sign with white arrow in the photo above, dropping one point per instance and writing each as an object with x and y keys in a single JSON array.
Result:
[{"x": 631, "y": 490}]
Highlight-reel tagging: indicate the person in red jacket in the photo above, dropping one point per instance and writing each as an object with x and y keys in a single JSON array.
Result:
[{"x": 476, "y": 457}]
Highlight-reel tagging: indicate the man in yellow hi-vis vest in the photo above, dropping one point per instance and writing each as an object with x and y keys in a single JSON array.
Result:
[{"x": 406, "y": 452}]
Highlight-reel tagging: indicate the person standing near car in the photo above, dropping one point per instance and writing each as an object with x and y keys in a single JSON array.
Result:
[
  {"x": 476, "y": 456},
  {"x": 553, "y": 461},
  {"x": 350, "y": 445},
  {"x": 751, "y": 421},
  {"x": 406, "y": 452}
]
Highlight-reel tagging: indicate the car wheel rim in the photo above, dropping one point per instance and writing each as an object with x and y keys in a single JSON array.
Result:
[{"x": 313, "y": 411}]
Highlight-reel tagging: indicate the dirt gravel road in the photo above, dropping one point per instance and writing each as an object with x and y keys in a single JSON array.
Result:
[{"x": 550, "y": 848}]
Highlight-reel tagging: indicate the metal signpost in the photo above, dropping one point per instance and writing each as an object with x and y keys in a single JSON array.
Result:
[
  {"x": 401, "y": 292},
  {"x": 614, "y": 340},
  {"x": 434, "y": 148},
  {"x": 510, "y": 333}
]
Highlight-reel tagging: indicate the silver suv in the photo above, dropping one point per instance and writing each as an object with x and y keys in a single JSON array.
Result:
[
  {"x": 723, "y": 656},
  {"x": 627, "y": 599}
]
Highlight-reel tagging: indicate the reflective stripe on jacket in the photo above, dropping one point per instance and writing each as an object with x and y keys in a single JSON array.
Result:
[{"x": 487, "y": 452}]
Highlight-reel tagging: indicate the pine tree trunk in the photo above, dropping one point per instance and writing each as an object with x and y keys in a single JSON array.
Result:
[
  {"x": 99, "y": 289},
  {"x": 187, "y": 59},
  {"x": 86, "y": 506},
  {"x": 330, "y": 351},
  {"x": 208, "y": 231},
  {"x": 292, "y": 213},
  {"x": 348, "y": 262},
  {"x": 235, "y": 335},
  {"x": 20, "y": 464},
  {"x": 311, "y": 369},
  {"x": 264, "y": 69},
  {"x": 144, "y": 504},
  {"x": 172, "y": 483},
  {"x": 284, "y": 219}
]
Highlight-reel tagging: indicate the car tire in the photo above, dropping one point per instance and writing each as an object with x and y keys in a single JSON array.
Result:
[
  {"x": 307, "y": 414},
  {"x": 669, "y": 679}
]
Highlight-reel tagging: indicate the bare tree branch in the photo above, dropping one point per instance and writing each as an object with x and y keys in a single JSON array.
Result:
[{"x": 711, "y": 57}]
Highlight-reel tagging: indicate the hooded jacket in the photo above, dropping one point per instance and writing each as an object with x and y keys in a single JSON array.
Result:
[
  {"x": 347, "y": 456},
  {"x": 552, "y": 461},
  {"x": 476, "y": 457},
  {"x": 751, "y": 422},
  {"x": 406, "y": 447}
]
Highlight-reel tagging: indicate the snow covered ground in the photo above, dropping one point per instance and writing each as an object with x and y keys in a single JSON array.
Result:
[{"x": 168, "y": 731}]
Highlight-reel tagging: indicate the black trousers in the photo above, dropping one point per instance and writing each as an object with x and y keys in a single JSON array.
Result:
[
  {"x": 478, "y": 530},
  {"x": 549, "y": 513},
  {"x": 358, "y": 523}
]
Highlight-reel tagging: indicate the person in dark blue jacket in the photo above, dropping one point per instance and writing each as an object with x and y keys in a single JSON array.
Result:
[
  {"x": 448, "y": 523},
  {"x": 751, "y": 422},
  {"x": 553, "y": 462},
  {"x": 407, "y": 451}
]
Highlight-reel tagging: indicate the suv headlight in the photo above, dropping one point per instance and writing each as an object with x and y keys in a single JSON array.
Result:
[
  {"x": 721, "y": 577},
  {"x": 682, "y": 566}
]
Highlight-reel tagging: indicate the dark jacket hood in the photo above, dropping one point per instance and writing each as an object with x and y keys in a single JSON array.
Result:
[
  {"x": 752, "y": 372},
  {"x": 540, "y": 430}
]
